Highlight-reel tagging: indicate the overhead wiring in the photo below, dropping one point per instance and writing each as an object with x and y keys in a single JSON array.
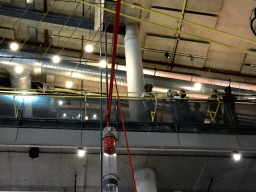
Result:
[
  {"x": 19, "y": 20},
  {"x": 96, "y": 42},
  {"x": 60, "y": 30},
  {"x": 30, "y": 34},
  {"x": 172, "y": 29},
  {"x": 189, "y": 22}
]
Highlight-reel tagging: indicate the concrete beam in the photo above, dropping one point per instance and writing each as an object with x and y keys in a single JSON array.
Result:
[
  {"x": 138, "y": 141},
  {"x": 32, "y": 17}
]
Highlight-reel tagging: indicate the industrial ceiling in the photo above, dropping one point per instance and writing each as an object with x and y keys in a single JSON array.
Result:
[
  {"x": 55, "y": 170},
  {"x": 59, "y": 32}
]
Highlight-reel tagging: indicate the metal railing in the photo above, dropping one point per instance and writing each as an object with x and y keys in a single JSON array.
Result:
[{"x": 84, "y": 107}]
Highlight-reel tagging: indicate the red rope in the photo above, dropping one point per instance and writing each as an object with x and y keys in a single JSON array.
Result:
[
  {"x": 112, "y": 79},
  {"x": 127, "y": 146},
  {"x": 118, "y": 7}
]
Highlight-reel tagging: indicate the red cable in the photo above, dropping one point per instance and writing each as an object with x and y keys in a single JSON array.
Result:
[
  {"x": 127, "y": 146},
  {"x": 118, "y": 7},
  {"x": 112, "y": 78}
]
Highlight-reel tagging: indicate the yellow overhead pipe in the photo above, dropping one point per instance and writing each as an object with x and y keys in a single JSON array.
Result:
[
  {"x": 171, "y": 29},
  {"x": 190, "y": 22},
  {"x": 182, "y": 16}
]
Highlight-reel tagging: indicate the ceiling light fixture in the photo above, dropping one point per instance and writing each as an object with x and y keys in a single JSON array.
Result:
[
  {"x": 89, "y": 48},
  {"x": 69, "y": 84},
  {"x": 14, "y": 46},
  {"x": 167, "y": 55},
  {"x": 56, "y": 59},
  {"x": 81, "y": 152},
  {"x": 18, "y": 69},
  {"x": 198, "y": 86},
  {"x": 60, "y": 102},
  {"x": 103, "y": 64},
  {"x": 236, "y": 156}
]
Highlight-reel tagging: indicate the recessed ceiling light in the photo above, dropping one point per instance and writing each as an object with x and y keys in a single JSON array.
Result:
[
  {"x": 236, "y": 156},
  {"x": 56, "y": 59},
  {"x": 198, "y": 86},
  {"x": 89, "y": 48},
  {"x": 14, "y": 46},
  {"x": 69, "y": 84},
  {"x": 18, "y": 69},
  {"x": 103, "y": 64},
  {"x": 81, "y": 152}
]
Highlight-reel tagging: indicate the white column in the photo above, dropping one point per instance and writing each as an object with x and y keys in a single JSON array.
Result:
[
  {"x": 134, "y": 67},
  {"x": 145, "y": 180}
]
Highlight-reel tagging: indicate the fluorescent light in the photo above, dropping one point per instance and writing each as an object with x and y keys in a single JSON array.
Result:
[
  {"x": 76, "y": 74},
  {"x": 64, "y": 115},
  {"x": 14, "y": 46},
  {"x": 60, "y": 102},
  {"x": 81, "y": 152},
  {"x": 29, "y": 1},
  {"x": 56, "y": 59},
  {"x": 86, "y": 118},
  {"x": 103, "y": 64},
  {"x": 236, "y": 156},
  {"x": 89, "y": 48},
  {"x": 198, "y": 86},
  {"x": 69, "y": 84},
  {"x": 18, "y": 69}
]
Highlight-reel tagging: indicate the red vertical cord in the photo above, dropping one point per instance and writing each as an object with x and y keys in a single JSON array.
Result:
[
  {"x": 112, "y": 79},
  {"x": 127, "y": 146},
  {"x": 118, "y": 7}
]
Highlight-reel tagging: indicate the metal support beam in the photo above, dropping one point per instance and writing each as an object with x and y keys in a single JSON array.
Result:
[{"x": 49, "y": 18}]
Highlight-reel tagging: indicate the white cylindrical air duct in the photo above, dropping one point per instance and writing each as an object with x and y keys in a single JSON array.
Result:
[
  {"x": 134, "y": 67},
  {"x": 160, "y": 79},
  {"x": 145, "y": 180}
]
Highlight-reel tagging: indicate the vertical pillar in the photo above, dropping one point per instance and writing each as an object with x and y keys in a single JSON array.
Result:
[
  {"x": 134, "y": 68},
  {"x": 145, "y": 180}
]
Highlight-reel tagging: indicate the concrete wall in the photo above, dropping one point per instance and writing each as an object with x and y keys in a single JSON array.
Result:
[{"x": 137, "y": 140}]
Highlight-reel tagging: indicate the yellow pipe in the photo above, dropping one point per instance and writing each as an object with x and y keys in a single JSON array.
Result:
[
  {"x": 171, "y": 29},
  {"x": 182, "y": 16},
  {"x": 191, "y": 23}
]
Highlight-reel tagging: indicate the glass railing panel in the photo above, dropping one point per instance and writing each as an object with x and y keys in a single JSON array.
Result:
[
  {"x": 93, "y": 109},
  {"x": 166, "y": 111},
  {"x": 198, "y": 112},
  {"x": 7, "y": 106},
  {"x": 244, "y": 113},
  {"x": 41, "y": 107}
]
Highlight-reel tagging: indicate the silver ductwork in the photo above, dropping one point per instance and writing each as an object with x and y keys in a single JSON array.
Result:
[
  {"x": 162, "y": 81},
  {"x": 21, "y": 82}
]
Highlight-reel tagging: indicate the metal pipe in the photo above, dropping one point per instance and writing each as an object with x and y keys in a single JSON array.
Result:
[
  {"x": 133, "y": 59},
  {"x": 164, "y": 80},
  {"x": 145, "y": 180}
]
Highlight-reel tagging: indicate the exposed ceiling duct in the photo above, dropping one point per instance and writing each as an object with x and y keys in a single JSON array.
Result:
[{"x": 162, "y": 81}]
